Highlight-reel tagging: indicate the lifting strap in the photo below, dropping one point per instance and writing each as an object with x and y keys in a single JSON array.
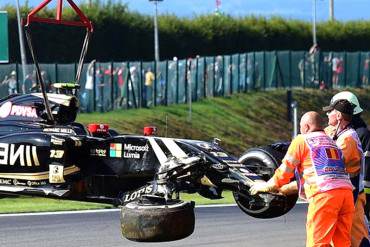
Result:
[{"x": 83, "y": 22}]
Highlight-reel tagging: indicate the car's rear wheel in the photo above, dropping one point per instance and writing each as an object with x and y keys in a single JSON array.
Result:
[
  {"x": 152, "y": 219},
  {"x": 263, "y": 161}
]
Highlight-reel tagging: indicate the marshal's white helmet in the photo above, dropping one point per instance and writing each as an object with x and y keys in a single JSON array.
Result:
[{"x": 351, "y": 98}]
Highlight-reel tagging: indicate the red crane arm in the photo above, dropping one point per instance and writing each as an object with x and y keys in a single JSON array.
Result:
[{"x": 83, "y": 22}]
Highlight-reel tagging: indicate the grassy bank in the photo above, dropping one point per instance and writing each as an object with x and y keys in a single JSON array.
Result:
[{"x": 241, "y": 121}]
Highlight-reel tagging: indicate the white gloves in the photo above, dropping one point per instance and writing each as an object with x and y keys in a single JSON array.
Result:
[
  {"x": 261, "y": 186},
  {"x": 289, "y": 189}
]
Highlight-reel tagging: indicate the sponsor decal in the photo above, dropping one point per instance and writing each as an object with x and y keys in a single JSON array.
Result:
[
  {"x": 57, "y": 141},
  {"x": 5, "y": 109},
  {"x": 98, "y": 152},
  {"x": 25, "y": 155},
  {"x": 17, "y": 182},
  {"x": 219, "y": 166},
  {"x": 8, "y": 109},
  {"x": 129, "y": 155},
  {"x": 130, "y": 148},
  {"x": 133, "y": 151},
  {"x": 115, "y": 150},
  {"x": 78, "y": 142},
  {"x": 131, "y": 196},
  {"x": 219, "y": 154},
  {"x": 57, "y": 154},
  {"x": 247, "y": 172},
  {"x": 332, "y": 153},
  {"x": 60, "y": 130},
  {"x": 37, "y": 176},
  {"x": 5, "y": 181},
  {"x": 56, "y": 174},
  {"x": 36, "y": 183},
  {"x": 204, "y": 145}
]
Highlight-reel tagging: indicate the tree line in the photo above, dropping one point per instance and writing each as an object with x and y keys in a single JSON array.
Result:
[{"x": 124, "y": 35}]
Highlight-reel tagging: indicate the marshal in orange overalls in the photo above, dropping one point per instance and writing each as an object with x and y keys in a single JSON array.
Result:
[
  {"x": 324, "y": 183},
  {"x": 350, "y": 145}
]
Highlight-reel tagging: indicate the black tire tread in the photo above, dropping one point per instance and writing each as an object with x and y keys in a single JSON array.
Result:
[{"x": 146, "y": 223}]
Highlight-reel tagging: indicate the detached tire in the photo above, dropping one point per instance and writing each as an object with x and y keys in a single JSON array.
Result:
[{"x": 149, "y": 222}]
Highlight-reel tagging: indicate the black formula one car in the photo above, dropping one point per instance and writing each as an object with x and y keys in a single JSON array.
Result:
[
  {"x": 44, "y": 152},
  {"x": 142, "y": 173}
]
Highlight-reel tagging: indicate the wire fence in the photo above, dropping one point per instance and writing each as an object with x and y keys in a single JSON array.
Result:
[{"x": 116, "y": 85}]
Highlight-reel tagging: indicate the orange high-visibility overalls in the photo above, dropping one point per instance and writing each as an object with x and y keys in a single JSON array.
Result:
[
  {"x": 324, "y": 183},
  {"x": 350, "y": 145}
]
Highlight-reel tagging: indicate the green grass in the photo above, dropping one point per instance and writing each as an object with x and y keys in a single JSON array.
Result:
[
  {"x": 241, "y": 121},
  {"x": 27, "y": 204},
  {"x": 199, "y": 200},
  {"x": 23, "y": 204}
]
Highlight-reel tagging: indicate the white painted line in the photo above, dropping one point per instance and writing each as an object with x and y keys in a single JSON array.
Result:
[
  {"x": 63, "y": 212},
  {"x": 110, "y": 210}
]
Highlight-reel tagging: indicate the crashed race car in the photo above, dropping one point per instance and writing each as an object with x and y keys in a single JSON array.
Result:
[
  {"x": 142, "y": 173},
  {"x": 44, "y": 152}
]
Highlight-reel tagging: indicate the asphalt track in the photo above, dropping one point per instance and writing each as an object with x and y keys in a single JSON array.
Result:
[{"x": 215, "y": 226}]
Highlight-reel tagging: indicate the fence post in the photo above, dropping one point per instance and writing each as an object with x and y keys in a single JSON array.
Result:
[
  {"x": 214, "y": 75},
  {"x": 319, "y": 74},
  {"x": 112, "y": 86},
  {"x": 330, "y": 68},
  {"x": 17, "y": 76},
  {"x": 276, "y": 69},
  {"x": 290, "y": 68},
  {"x": 264, "y": 69},
  {"x": 345, "y": 69},
  {"x": 166, "y": 89},
  {"x": 254, "y": 70},
  {"x": 368, "y": 68},
  {"x": 289, "y": 104},
  {"x": 94, "y": 90},
  {"x": 188, "y": 87},
  {"x": 177, "y": 81},
  {"x": 238, "y": 72},
  {"x": 186, "y": 81},
  {"x": 155, "y": 84},
  {"x": 359, "y": 81},
  {"x": 101, "y": 97},
  {"x": 205, "y": 77},
  {"x": 196, "y": 77},
  {"x": 294, "y": 106},
  {"x": 224, "y": 74},
  {"x": 230, "y": 70},
  {"x": 56, "y": 72},
  {"x": 127, "y": 85},
  {"x": 141, "y": 83},
  {"x": 75, "y": 69},
  {"x": 246, "y": 73},
  {"x": 304, "y": 70}
]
